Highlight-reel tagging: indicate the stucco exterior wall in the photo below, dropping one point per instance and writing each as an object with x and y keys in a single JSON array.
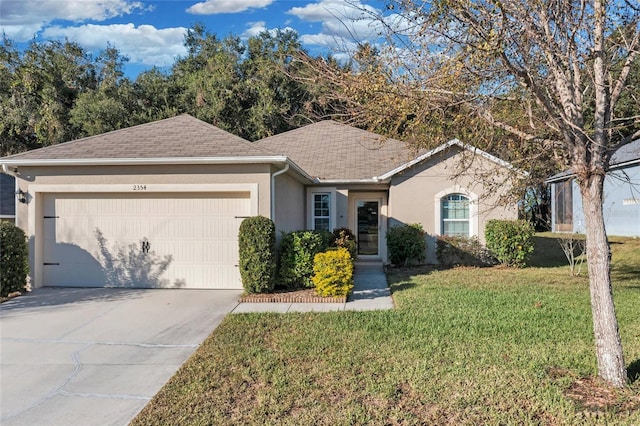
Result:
[
  {"x": 289, "y": 204},
  {"x": 621, "y": 205},
  {"x": 414, "y": 197},
  {"x": 147, "y": 175}
]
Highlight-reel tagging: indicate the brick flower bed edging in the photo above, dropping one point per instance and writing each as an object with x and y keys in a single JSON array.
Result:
[{"x": 299, "y": 296}]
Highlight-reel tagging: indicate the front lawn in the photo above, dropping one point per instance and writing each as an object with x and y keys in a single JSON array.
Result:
[{"x": 465, "y": 346}]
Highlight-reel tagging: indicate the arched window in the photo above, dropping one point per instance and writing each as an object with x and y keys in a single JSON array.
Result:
[{"x": 455, "y": 215}]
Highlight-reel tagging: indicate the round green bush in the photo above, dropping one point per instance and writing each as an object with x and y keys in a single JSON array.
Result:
[
  {"x": 14, "y": 259},
  {"x": 297, "y": 250},
  {"x": 406, "y": 243},
  {"x": 510, "y": 241},
  {"x": 257, "y": 252}
]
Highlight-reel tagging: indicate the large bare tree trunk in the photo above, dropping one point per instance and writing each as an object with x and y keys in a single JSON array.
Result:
[{"x": 611, "y": 366}]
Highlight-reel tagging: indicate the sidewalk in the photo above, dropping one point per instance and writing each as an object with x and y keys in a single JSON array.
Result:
[{"x": 370, "y": 292}]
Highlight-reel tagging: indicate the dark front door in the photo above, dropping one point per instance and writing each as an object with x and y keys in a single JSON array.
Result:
[{"x": 368, "y": 227}]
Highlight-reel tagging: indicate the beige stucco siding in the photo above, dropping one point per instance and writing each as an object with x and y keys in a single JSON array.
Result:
[
  {"x": 414, "y": 195},
  {"x": 289, "y": 204},
  {"x": 146, "y": 175}
]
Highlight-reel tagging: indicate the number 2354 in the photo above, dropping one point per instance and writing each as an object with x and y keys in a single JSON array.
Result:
[{"x": 139, "y": 187}]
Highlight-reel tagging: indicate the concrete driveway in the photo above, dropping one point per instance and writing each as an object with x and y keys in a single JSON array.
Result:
[{"x": 97, "y": 356}]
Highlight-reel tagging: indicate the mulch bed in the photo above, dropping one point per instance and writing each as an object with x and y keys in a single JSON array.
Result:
[{"x": 288, "y": 296}]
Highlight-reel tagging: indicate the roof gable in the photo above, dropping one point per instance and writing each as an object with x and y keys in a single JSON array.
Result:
[
  {"x": 182, "y": 136},
  {"x": 328, "y": 150},
  {"x": 331, "y": 151}
]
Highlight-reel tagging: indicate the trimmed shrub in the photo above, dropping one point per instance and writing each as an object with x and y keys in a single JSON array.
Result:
[
  {"x": 406, "y": 243},
  {"x": 344, "y": 237},
  {"x": 465, "y": 251},
  {"x": 14, "y": 259},
  {"x": 257, "y": 252},
  {"x": 510, "y": 241},
  {"x": 333, "y": 273},
  {"x": 297, "y": 250}
]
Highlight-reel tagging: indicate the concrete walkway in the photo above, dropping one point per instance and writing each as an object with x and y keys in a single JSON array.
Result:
[{"x": 370, "y": 292}]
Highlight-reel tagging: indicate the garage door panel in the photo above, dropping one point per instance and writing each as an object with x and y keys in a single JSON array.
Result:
[{"x": 199, "y": 233}]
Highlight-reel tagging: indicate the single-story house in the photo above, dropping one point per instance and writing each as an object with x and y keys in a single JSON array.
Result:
[
  {"x": 167, "y": 198},
  {"x": 621, "y": 196}
]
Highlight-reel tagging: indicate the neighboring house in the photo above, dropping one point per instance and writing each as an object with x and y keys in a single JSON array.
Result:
[
  {"x": 621, "y": 196},
  {"x": 7, "y": 198},
  {"x": 103, "y": 207}
]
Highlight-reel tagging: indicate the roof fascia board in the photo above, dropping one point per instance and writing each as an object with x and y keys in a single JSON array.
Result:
[
  {"x": 145, "y": 161},
  {"x": 352, "y": 181},
  {"x": 417, "y": 160},
  {"x": 446, "y": 145},
  {"x": 274, "y": 159},
  {"x": 571, "y": 175}
]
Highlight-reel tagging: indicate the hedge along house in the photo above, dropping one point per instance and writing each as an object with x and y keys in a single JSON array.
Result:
[
  {"x": 621, "y": 204},
  {"x": 160, "y": 204}
]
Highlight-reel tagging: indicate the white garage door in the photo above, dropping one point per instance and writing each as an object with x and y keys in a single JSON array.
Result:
[{"x": 143, "y": 240}]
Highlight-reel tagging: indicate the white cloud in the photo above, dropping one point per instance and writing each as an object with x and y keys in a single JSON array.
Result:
[
  {"x": 254, "y": 29},
  {"x": 329, "y": 42},
  {"x": 258, "y": 27},
  {"x": 213, "y": 7},
  {"x": 344, "y": 24},
  {"x": 22, "y": 19},
  {"x": 145, "y": 44}
]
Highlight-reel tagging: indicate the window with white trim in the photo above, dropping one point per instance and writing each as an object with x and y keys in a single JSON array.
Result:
[
  {"x": 321, "y": 211},
  {"x": 455, "y": 215}
]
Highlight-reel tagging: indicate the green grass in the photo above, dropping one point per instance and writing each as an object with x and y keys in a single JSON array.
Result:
[{"x": 464, "y": 346}]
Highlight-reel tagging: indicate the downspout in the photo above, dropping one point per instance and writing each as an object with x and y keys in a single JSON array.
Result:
[
  {"x": 273, "y": 190},
  {"x": 7, "y": 171}
]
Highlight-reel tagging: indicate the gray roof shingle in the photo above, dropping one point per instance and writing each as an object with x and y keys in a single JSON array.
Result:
[
  {"x": 329, "y": 150},
  {"x": 625, "y": 154},
  {"x": 182, "y": 136}
]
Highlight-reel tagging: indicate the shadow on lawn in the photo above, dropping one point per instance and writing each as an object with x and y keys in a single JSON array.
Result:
[
  {"x": 633, "y": 371},
  {"x": 547, "y": 253},
  {"x": 401, "y": 279}
]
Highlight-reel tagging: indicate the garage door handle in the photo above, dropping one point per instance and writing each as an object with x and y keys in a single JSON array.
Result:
[{"x": 50, "y": 264}]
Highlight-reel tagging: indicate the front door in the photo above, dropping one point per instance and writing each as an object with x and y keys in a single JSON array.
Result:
[{"x": 368, "y": 227}]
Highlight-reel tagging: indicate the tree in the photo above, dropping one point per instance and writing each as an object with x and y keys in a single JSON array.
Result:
[
  {"x": 271, "y": 98},
  {"x": 107, "y": 106},
  {"x": 547, "y": 76},
  {"x": 205, "y": 78},
  {"x": 39, "y": 87}
]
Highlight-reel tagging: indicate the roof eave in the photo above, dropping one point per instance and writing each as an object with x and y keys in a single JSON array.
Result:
[
  {"x": 144, "y": 161},
  {"x": 566, "y": 175},
  {"x": 271, "y": 159},
  {"x": 373, "y": 180},
  {"x": 446, "y": 145}
]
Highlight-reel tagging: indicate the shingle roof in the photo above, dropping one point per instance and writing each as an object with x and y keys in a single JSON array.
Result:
[
  {"x": 330, "y": 150},
  {"x": 629, "y": 153},
  {"x": 626, "y": 153},
  {"x": 182, "y": 136}
]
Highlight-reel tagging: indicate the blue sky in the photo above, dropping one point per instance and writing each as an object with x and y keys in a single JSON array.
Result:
[{"x": 151, "y": 33}]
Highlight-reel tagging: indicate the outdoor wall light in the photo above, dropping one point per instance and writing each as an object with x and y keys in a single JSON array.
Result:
[{"x": 22, "y": 196}]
